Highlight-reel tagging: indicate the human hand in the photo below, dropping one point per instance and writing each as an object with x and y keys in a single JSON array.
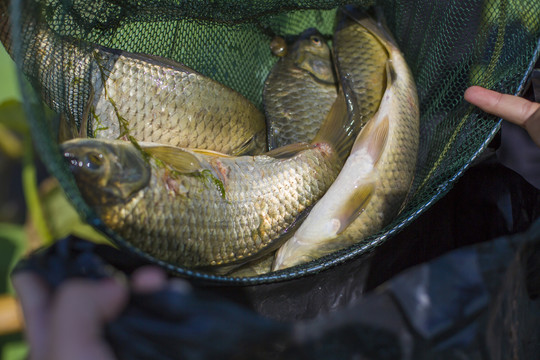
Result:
[
  {"x": 69, "y": 323},
  {"x": 511, "y": 108}
]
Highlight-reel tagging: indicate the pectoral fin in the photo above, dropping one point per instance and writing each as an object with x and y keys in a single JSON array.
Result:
[
  {"x": 354, "y": 206},
  {"x": 179, "y": 159},
  {"x": 288, "y": 151},
  {"x": 246, "y": 147},
  {"x": 211, "y": 153},
  {"x": 373, "y": 138}
]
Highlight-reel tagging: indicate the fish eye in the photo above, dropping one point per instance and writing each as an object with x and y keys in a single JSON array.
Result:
[
  {"x": 316, "y": 40},
  {"x": 94, "y": 160}
]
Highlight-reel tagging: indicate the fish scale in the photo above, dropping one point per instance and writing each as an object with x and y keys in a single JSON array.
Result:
[
  {"x": 210, "y": 115},
  {"x": 361, "y": 58},
  {"x": 295, "y": 100}
]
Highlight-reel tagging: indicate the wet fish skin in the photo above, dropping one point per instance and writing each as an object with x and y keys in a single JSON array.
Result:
[
  {"x": 361, "y": 58},
  {"x": 371, "y": 187},
  {"x": 223, "y": 210},
  {"x": 145, "y": 97},
  {"x": 299, "y": 91},
  {"x": 207, "y": 210}
]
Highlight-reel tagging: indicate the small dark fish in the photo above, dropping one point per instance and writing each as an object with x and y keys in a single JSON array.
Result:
[{"x": 299, "y": 91}]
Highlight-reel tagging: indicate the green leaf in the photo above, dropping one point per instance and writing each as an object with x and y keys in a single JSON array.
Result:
[
  {"x": 12, "y": 116},
  {"x": 15, "y": 350},
  {"x": 13, "y": 242},
  {"x": 10, "y": 86},
  {"x": 55, "y": 202}
]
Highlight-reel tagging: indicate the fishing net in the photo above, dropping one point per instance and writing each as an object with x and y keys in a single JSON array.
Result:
[{"x": 449, "y": 46}]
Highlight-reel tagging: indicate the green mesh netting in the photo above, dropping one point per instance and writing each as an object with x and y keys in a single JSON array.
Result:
[{"x": 449, "y": 45}]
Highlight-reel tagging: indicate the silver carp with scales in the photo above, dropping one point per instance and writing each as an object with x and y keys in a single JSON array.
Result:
[
  {"x": 375, "y": 180},
  {"x": 131, "y": 95}
]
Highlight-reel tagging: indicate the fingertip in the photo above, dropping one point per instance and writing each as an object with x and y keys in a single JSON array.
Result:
[
  {"x": 114, "y": 295},
  {"x": 148, "y": 279},
  {"x": 473, "y": 93}
]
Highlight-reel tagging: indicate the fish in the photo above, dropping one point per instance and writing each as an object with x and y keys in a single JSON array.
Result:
[
  {"x": 207, "y": 210},
  {"x": 122, "y": 95},
  {"x": 360, "y": 57},
  {"x": 299, "y": 90},
  {"x": 375, "y": 180}
]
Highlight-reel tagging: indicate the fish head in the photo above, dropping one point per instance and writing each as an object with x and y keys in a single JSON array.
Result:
[
  {"x": 106, "y": 172},
  {"x": 312, "y": 54}
]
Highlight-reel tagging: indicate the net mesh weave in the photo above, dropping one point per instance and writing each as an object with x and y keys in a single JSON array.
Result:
[{"x": 449, "y": 46}]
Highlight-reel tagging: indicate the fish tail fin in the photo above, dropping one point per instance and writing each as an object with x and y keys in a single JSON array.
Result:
[
  {"x": 377, "y": 27},
  {"x": 342, "y": 124}
]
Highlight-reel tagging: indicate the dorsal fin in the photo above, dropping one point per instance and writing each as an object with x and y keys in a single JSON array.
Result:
[
  {"x": 179, "y": 159},
  {"x": 162, "y": 61}
]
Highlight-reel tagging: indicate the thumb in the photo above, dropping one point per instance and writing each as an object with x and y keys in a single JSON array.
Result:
[{"x": 80, "y": 310}]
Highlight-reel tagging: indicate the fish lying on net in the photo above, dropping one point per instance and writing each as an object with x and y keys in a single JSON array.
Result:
[
  {"x": 377, "y": 175},
  {"x": 129, "y": 95},
  {"x": 299, "y": 91},
  {"x": 202, "y": 209}
]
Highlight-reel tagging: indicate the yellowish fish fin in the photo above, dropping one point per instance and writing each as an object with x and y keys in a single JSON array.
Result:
[
  {"x": 342, "y": 123},
  {"x": 66, "y": 128},
  {"x": 211, "y": 153},
  {"x": 246, "y": 147},
  {"x": 356, "y": 203},
  {"x": 373, "y": 138},
  {"x": 288, "y": 151},
  {"x": 179, "y": 159}
]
